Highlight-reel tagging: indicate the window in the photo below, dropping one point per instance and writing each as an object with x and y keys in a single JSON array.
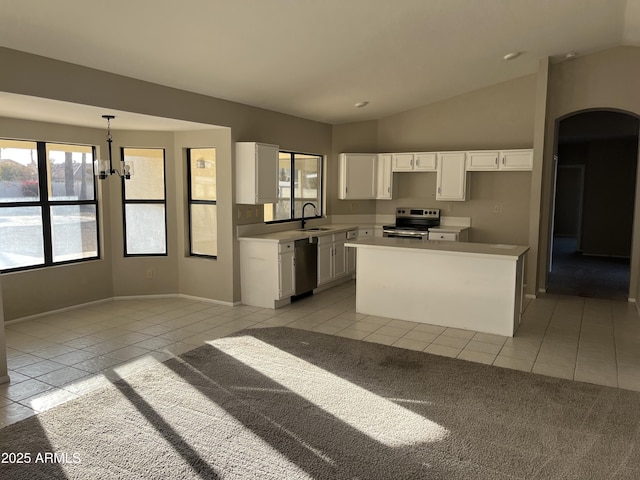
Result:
[
  {"x": 299, "y": 182},
  {"x": 203, "y": 220},
  {"x": 48, "y": 206},
  {"x": 144, "y": 202}
]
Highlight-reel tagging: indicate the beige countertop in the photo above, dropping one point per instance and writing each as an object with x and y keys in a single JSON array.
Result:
[
  {"x": 463, "y": 248},
  {"x": 298, "y": 234}
]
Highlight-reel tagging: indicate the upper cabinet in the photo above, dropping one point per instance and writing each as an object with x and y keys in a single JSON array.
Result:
[
  {"x": 357, "y": 176},
  {"x": 365, "y": 176},
  {"x": 414, "y": 162},
  {"x": 384, "y": 177},
  {"x": 486, "y": 160},
  {"x": 256, "y": 173},
  {"x": 451, "y": 177}
]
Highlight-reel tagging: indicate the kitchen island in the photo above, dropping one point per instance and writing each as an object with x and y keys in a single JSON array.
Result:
[{"x": 472, "y": 286}]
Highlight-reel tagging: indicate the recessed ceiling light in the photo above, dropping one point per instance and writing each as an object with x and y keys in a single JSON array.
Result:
[
  {"x": 511, "y": 55},
  {"x": 361, "y": 104}
]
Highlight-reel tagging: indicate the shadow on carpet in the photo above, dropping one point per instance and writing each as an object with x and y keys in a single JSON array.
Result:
[{"x": 281, "y": 403}]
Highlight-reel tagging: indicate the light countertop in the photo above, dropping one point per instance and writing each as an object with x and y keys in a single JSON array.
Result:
[
  {"x": 463, "y": 248},
  {"x": 298, "y": 234}
]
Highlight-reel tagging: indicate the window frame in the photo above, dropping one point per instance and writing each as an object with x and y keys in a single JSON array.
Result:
[
  {"x": 191, "y": 201},
  {"x": 292, "y": 187},
  {"x": 126, "y": 202},
  {"x": 45, "y": 204}
]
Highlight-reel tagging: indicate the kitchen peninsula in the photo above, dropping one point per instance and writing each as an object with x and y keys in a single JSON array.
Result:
[{"x": 471, "y": 286}]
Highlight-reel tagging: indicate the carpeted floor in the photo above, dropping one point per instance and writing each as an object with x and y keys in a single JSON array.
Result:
[{"x": 281, "y": 403}]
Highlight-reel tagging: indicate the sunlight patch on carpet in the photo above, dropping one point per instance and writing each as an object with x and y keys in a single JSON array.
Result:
[{"x": 372, "y": 415}]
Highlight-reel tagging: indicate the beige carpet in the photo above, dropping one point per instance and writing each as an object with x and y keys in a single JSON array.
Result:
[{"x": 282, "y": 403}]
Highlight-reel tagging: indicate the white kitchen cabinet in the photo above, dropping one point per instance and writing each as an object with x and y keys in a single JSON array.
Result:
[
  {"x": 451, "y": 176},
  {"x": 501, "y": 160},
  {"x": 483, "y": 160},
  {"x": 384, "y": 177},
  {"x": 414, "y": 162},
  {"x": 350, "y": 252},
  {"x": 267, "y": 272},
  {"x": 286, "y": 270},
  {"x": 256, "y": 173},
  {"x": 357, "y": 176},
  {"x": 516, "y": 159},
  {"x": 332, "y": 257}
]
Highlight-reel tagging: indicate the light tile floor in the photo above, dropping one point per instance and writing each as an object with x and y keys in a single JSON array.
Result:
[{"x": 61, "y": 356}]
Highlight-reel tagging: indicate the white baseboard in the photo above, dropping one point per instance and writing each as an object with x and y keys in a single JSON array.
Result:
[
  {"x": 210, "y": 300},
  {"x": 530, "y": 295},
  {"x": 58, "y": 310},
  {"x": 120, "y": 298}
]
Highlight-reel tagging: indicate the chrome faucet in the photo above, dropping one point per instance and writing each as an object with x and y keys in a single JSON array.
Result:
[{"x": 303, "y": 207}]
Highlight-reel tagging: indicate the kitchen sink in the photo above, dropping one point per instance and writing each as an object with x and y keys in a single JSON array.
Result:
[{"x": 314, "y": 229}]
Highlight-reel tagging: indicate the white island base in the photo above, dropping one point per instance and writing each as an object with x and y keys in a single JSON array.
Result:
[{"x": 463, "y": 285}]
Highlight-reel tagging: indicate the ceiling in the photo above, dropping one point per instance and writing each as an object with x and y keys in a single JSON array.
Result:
[{"x": 316, "y": 59}]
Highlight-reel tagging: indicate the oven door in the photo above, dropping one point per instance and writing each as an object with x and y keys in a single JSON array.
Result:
[{"x": 405, "y": 233}]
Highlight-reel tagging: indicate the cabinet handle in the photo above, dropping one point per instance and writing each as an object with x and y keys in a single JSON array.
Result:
[
  {"x": 496, "y": 160},
  {"x": 411, "y": 162},
  {"x": 439, "y": 190},
  {"x": 503, "y": 160},
  {"x": 388, "y": 189},
  {"x": 417, "y": 162}
]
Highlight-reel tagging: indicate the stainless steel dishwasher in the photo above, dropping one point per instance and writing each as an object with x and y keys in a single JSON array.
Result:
[{"x": 306, "y": 257}]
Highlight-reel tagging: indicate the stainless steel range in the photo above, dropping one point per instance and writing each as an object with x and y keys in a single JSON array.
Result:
[{"x": 413, "y": 223}]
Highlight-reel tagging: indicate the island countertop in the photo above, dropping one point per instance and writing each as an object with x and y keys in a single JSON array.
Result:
[{"x": 463, "y": 248}]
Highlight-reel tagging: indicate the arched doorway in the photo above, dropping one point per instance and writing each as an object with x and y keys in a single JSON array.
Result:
[{"x": 595, "y": 179}]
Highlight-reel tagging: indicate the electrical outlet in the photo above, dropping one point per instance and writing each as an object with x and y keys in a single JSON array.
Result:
[
  {"x": 450, "y": 208},
  {"x": 149, "y": 273},
  {"x": 497, "y": 209}
]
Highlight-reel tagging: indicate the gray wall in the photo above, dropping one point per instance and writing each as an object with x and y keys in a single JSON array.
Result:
[
  {"x": 607, "y": 79},
  {"x": 497, "y": 117},
  {"x": 31, "y": 292}
]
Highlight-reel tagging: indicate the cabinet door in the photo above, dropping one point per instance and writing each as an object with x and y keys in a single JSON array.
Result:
[
  {"x": 384, "y": 177},
  {"x": 350, "y": 254},
  {"x": 339, "y": 259},
  {"x": 425, "y": 162},
  {"x": 402, "y": 162},
  {"x": 256, "y": 173},
  {"x": 325, "y": 262},
  {"x": 451, "y": 177},
  {"x": 358, "y": 176},
  {"x": 516, "y": 160},
  {"x": 287, "y": 272},
  {"x": 484, "y": 160},
  {"x": 266, "y": 173}
]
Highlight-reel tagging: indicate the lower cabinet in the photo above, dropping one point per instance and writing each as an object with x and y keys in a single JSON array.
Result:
[
  {"x": 286, "y": 270},
  {"x": 267, "y": 272},
  {"x": 332, "y": 257}
]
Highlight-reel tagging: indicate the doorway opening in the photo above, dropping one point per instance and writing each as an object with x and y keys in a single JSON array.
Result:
[{"x": 595, "y": 180}]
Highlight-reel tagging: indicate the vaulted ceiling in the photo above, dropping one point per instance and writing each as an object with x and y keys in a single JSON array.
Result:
[{"x": 317, "y": 59}]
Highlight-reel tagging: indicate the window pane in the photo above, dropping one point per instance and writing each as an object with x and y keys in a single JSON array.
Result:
[
  {"x": 203, "y": 173},
  {"x": 18, "y": 171},
  {"x": 145, "y": 225},
  {"x": 21, "y": 243},
  {"x": 70, "y": 170},
  {"x": 204, "y": 237},
  {"x": 147, "y": 174},
  {"x": 74, "y": 231},
  {"x": 306, "y": 184}
]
